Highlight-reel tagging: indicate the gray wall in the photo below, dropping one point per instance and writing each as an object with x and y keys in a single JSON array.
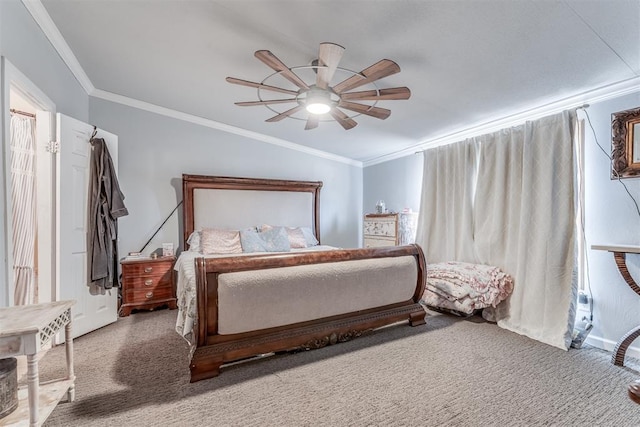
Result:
[
  {"x": 26, "y": 47},
  {"x": 398, "y": 182},
  {"x": 154, "y": 152}
]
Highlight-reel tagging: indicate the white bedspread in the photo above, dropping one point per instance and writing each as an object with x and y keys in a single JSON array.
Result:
[{"x": 186, "y": 286}]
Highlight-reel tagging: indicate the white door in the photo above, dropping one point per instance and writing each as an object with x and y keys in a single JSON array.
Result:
[{"x": 90, "y": 311}]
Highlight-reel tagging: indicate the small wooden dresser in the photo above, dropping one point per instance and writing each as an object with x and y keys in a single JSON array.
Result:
[
  {"x": 147, "y": 284},
  {"x": 389, "y": 229}
]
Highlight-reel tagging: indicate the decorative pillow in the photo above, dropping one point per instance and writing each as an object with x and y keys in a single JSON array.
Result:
[
  {"x": 217, "y": 241},
  {"x": 194, "y": 241},
  {"x": 251, "y": 241},
  {"x": 296, "y": 235},
  {"x": 276, "y": 240}
]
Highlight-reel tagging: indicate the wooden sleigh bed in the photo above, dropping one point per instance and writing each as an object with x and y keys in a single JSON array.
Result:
[{"x": 254, "y": 304}]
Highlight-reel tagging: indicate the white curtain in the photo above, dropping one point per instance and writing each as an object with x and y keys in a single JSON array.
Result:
[
  {"x": 522, "y": 220},
  {"x": 23, "y": 202},
  {"x": 525, "y": 224},
  {"x": 445, "y": 227}
]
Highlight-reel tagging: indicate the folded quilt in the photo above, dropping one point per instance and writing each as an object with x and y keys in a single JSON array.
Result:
[
  {"x": 464, "y": 305},
  {"x": 465, "y": 286}
]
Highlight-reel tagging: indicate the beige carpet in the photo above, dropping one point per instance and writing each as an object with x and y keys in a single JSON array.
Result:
[{"x": 451, "y": 372}]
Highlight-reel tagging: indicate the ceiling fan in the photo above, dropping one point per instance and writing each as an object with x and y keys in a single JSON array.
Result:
[{"x": 320, "y": 98}]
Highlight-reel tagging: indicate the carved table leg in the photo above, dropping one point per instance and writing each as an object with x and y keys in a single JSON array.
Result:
[
  {"x": 621, "y": 262},
  {"x": 624, "y": 343},
  {"x": 68, "y": 340},
  {"x": 33, "y": 385}
]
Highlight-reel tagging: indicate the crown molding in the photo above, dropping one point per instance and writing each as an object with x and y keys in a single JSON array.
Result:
[
  {"x": 593, "y": 96},
  {"x": 167, "y": 112},
  {"x": 48, "y": 27}
]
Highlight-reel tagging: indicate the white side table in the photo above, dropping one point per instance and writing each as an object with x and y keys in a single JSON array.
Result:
[{"x": 25, "y": 330}]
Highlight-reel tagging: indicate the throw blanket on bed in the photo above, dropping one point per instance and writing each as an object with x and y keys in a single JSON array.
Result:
[{"x": 465, "y": 287}]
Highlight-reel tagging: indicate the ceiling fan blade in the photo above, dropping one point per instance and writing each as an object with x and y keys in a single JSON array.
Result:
[
  {"x": 285, "y": 114},
  {"x": 259, "y": 86},
  {"x": 345, "y": 121},
  {"x": 373, "y": 95},
  {"x": 329, "y": 56},
  {"x": 273, "y": 101},
  {"x": 377, "y": 112},
  {"x": 380, "y": 69},
  {"x": 272, "y": 61},
  {"x": 312, "y": 122}
]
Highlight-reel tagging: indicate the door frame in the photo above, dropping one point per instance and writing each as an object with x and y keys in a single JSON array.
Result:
[{"x": 13, "y": 79}]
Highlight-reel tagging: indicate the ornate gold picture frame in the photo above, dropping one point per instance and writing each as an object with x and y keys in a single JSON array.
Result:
[{"x": 625, "y": 144}]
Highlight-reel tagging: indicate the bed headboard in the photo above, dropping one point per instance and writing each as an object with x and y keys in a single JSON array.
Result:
[{"x": 239, "y": 203}]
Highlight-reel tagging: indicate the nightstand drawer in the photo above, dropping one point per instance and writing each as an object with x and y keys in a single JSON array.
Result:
[
  {"x": 144, "y": 295},
  {"x": 370, "y": 242},
  {"x": 380, "y": 227},
  {"x": 147, "y": 269},
  {"x": 148, "y": 282}
]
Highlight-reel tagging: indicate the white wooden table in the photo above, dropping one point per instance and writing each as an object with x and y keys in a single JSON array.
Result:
[
  {"x": 620, "y": 256},
  {"x": 26, "y": 330}
]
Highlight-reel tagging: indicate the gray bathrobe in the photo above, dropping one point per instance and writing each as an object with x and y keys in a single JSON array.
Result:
[{"x": 106, "y": 205}]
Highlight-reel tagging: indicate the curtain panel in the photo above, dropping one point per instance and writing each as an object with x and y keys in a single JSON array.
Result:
[
  {"x": 445, "y": 228},
  {"x": 521, "y": 218},
  {"x": 525, "y": 224},
  {"x": 23, "y": 204}
]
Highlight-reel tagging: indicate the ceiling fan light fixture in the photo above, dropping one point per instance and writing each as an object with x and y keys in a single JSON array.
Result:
[
  {"x": 318, "y": 101},
  {"x": 318, "y": 108}
]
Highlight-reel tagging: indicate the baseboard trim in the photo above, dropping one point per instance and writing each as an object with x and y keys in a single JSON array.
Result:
[{"x": 609, "y": 345}]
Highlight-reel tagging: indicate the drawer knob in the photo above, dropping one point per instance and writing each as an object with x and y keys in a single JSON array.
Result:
[
  {"x": 148, "y": 269},
  {"x": 149, "y": 295},
  {"x": 148, "y": 282}
]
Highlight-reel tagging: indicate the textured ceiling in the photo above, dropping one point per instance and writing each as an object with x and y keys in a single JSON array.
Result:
[{"x": 466, "y": 62}]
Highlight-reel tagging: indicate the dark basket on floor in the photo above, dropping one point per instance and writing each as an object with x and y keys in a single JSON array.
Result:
[{"x": 8, "y": 386}]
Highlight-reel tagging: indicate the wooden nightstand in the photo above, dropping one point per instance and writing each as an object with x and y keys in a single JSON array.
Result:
[{"x": 147, "y": 284}]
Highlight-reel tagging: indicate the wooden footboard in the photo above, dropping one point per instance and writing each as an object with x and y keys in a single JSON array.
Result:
[{"x": 214, "y": 349}]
